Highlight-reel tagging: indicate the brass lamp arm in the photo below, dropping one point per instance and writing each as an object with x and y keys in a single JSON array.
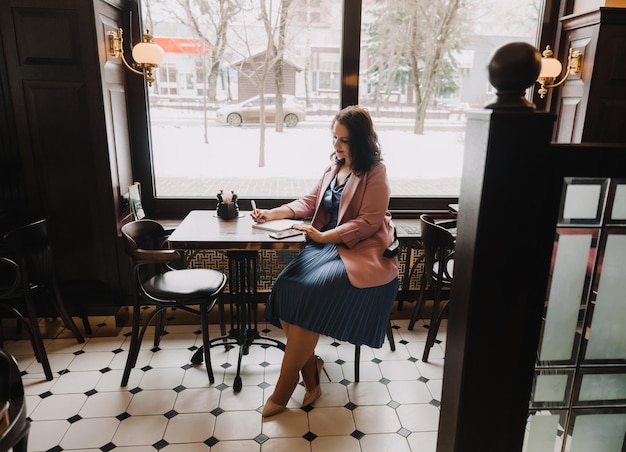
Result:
[
  {"x": 544, "y": 80},
  {"x": 574, "y": 60},
  {"x": 132, "y": 69}
]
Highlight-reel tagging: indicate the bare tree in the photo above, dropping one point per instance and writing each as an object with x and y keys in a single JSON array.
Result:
[
  {"x": 279, "y": 53},
  {"x": 384, "y": 40},
  {"x": 209, "y": 21},
  {"x": 257, "y": 64},
  {"x": 412, "y": 42},
  {"x": 431, "y": 29},
  {"x": 507, "y": 18}
]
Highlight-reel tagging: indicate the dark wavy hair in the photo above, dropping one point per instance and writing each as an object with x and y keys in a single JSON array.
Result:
[{"x": 364, "y": 145}]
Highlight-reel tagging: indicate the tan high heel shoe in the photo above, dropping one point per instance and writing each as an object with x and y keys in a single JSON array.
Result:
[
  {"x": 272, "y": 408},
  {"x": 312, "y": 394}
]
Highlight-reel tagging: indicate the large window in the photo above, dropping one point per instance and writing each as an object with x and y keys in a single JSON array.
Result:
[{"x": 421, "y": 66}]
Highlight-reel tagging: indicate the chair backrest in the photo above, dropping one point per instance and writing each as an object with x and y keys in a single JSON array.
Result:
[
  {"x": 142, "y": 235},
  {"x": 437, "y": 241},
  {"x": 144, "y": 242},
  {"x": 33, "y": 252},
  {"x": 10, "y": 277}
]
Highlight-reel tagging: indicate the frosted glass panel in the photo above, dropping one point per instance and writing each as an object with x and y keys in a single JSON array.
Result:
[
  {"x": 607, "y": 339},
  {"x": 619, "y": 203},
  {"x": 581, "y": 201},
  {"x": 541, "y": 434},
  {"x": 578, "y": 403},
  {"x": 550, "y": 388},
  {"x": 599, "y": 432},
  {"x": 568, "y": 279},
  {"x": 603, "y": 387}
]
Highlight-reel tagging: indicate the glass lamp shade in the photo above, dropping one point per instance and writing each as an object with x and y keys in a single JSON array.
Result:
[
  {"x": 148, "y": 53},
  {"x": 550, "y": 68}
]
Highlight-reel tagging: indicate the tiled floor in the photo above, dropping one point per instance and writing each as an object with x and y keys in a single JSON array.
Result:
[{"x": 170, "y": 406}]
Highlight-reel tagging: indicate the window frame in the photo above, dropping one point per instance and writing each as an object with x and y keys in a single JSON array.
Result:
[{"x": 140, "y": 136}]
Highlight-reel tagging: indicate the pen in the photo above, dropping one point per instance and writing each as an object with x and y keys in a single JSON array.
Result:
[
  {"x": 255, "y": 215},
  {"x": 253, "y": 205}
]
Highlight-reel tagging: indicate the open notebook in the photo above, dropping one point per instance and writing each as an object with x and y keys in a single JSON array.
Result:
[{"x": 276, "y": 225}]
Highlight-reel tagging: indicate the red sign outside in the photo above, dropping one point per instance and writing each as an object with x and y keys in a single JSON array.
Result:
[{"x": 190, "y": 46}]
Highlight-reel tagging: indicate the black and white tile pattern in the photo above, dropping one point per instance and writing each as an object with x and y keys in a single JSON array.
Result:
[{"x": 169, "y": 404}]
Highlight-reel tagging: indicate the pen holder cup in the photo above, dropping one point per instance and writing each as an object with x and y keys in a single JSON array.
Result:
[{"x": 226, "y": 211}]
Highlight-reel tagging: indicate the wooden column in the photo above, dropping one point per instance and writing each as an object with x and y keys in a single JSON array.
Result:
[{"x": 504, "y": 243}]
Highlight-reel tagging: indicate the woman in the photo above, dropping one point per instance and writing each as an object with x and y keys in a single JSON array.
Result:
[{"x": 340, "y": 285}]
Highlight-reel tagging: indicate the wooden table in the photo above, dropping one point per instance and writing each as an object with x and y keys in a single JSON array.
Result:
[{"x": 202, "y": 229}]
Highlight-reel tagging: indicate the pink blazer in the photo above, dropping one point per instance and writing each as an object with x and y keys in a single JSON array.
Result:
[{"x": 364, "y": 224}]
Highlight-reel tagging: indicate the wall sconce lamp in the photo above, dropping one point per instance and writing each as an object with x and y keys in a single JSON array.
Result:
[
  {"x": 551, "y": 68},
  {"x": 147, "y": 54}
]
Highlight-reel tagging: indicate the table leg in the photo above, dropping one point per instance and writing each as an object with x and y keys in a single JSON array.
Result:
[{"x": 242, "y": 267}]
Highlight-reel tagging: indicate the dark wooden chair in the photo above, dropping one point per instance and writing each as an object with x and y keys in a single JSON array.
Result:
[
  {"x": 14, "y": 425},
  {"x": 13, "y": 285},
  {"x": 357, "y": 352},
  {"x": 157, "y": 283},
  {"x": 30, "y": 247},
  {"x": 438, "y": 243}
]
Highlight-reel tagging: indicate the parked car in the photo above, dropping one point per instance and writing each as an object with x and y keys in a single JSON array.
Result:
[{"x": 249, "y": 111}]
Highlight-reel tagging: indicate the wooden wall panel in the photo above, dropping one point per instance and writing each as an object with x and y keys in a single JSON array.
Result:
[
  {"x": 574, "y": 94},
  {"x": 11, "y": 176},
  {"x": 115, "y": 114},
  {"x": 567, "y": 119},
  {"x": 59, "y": 27},
  {"x": 51, "y": 57},
  {"x": 59, "y": 133},
  {"x": 599, "y": 90},
  {"x": 607, "y": 115}
]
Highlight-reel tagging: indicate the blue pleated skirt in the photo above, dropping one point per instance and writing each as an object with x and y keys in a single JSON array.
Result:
[{"x": 313, "y": 292}]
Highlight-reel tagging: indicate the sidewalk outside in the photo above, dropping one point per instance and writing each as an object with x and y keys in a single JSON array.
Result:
[{"x": 186, "y": 166}]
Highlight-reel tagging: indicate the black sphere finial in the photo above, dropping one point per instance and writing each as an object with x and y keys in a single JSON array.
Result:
[{"x": 513, "y": 68}]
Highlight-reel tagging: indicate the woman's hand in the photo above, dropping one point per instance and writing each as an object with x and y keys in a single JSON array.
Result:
[
  {"x": 277, "y": 213},
  {"x": 261, "y": 216},
  {"x": 310, "y": 232},
  {"x": 330, "y": 236}
]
